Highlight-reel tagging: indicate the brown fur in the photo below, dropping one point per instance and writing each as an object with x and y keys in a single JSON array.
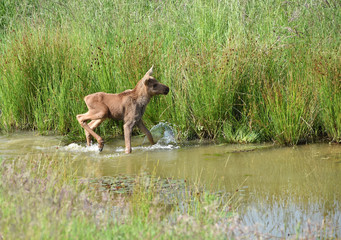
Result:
[{"x": 128, "y": 106}]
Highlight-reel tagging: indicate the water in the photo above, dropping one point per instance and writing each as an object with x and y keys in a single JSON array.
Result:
[{"x": 279, "y": 188}]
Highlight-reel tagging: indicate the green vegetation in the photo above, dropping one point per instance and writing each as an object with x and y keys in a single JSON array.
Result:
[
  {"x": 42, "y": 198},
  {"x": 241, "y": 71}
]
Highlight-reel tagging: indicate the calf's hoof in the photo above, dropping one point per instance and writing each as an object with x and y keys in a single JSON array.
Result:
[
  {"x": 128, "y": 150},
  {"x": 100, "y": 146}
]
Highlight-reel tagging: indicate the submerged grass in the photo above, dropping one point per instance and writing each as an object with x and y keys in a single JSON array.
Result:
[
  {"x": 242, "y": 71},
  {"x": 42, "y": 198}
]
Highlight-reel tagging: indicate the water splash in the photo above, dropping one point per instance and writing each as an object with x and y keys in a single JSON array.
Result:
[
  {"x": 156, "y": 146},
  {"x": 163, "y": 133},
  {"x": 73, "y": 147}
]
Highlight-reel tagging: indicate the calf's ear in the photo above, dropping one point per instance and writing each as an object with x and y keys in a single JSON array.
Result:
[
  {"x": 147, "y": 75},
  {"x": 150, "y": 71}
]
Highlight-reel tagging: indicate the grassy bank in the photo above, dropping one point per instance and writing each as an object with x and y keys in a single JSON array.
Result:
[
  {"x": 241, "y": 71},
  {"x": 41, "y": 198}
]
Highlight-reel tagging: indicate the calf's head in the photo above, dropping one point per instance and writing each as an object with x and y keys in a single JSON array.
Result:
[{"x": 154, "y": 87}]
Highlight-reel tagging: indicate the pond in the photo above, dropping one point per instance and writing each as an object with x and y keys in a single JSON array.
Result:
[{"x": 279, "y": 188}]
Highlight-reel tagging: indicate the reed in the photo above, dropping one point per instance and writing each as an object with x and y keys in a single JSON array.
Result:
[
  {"x": 241, "y": 71},
  {"x": 330, "y": 96}
]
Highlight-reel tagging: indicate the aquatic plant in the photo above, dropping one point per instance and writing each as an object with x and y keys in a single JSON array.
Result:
[
  {"x": 238, "y": 70},
  {"x": 41, "y": 197}
]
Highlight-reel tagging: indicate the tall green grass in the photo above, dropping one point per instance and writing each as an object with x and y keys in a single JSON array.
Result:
[{"x": 242, "y": 71}]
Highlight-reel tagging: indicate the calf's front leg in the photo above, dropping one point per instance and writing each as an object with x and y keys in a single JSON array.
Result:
[{"x": 128, "y": 128}]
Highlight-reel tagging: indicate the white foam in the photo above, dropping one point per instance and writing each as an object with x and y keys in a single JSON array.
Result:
[
  {"x": 163, "y": 132},
  {"x": 76, "y": 148},
  {"x": 156, "y": 146},
  {"x": 73, "y": 147}
]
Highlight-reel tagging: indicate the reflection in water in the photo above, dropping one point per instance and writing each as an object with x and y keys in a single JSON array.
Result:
[{"x": 280, "y": 188}]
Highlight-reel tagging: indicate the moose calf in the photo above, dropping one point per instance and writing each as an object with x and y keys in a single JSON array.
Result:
[{"x": 128, "y": 106}]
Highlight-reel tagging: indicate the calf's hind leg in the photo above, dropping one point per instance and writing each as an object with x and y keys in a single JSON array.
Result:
[
  {"x": 145, "y": 130},
  {"x": 93, "y": 125},
  {"x": 98, "y": 117}
]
